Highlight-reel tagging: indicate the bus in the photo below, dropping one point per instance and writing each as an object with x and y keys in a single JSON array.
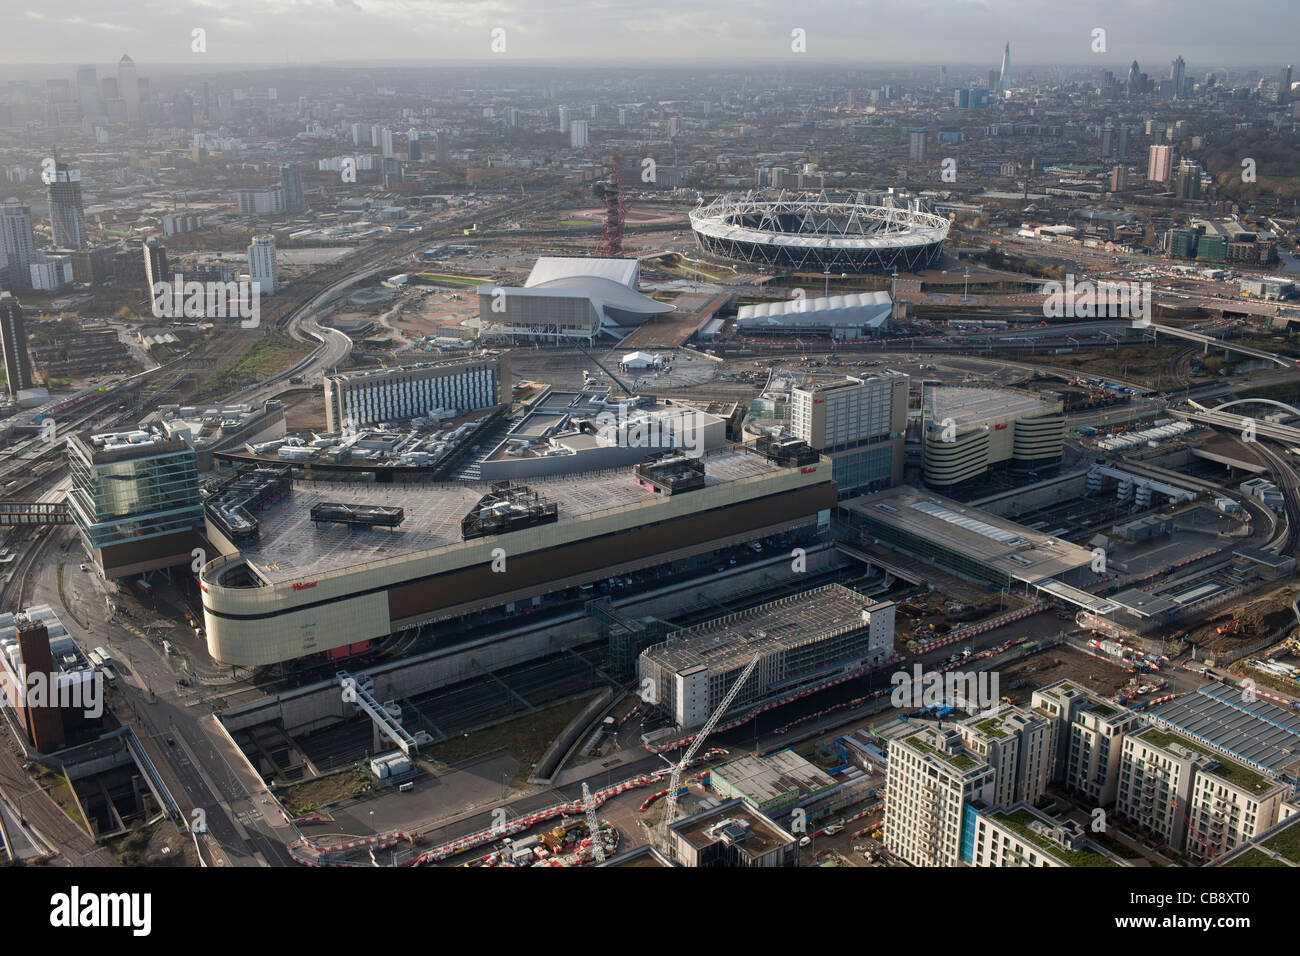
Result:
[
  {"x": 105, "y": 658},
  {"x": 109, "y": 675}
]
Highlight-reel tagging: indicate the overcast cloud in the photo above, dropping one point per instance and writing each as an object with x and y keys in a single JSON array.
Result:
[{"x": 1209, "y": 34}]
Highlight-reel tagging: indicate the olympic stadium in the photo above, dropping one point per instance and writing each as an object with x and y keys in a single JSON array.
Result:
[{"x": 819, "y": 234}]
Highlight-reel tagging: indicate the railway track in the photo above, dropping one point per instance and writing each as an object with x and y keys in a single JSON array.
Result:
[
  {"x": 17, "y": 590},
  {"x": 1289, "y": 484}
]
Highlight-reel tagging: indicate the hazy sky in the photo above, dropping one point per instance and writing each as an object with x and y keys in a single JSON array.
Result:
[{"x": 1207, "y": 33}]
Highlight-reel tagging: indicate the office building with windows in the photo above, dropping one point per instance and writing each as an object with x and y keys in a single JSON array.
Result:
[
  {"x": 291, "y": 184},
  {"x": 261, "y": 264},
  {"x": 134, "y": 499},
  {"x": 13, "y": 345},
  {"x": 67, "y": 216},
  {"x": 412, "y": 391},
  {"x": 17, "y": 241},
  {"x": 859, "y": 424}
]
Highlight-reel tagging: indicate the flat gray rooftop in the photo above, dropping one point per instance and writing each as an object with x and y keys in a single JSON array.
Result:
[
  {"x": 762, "y": 779},
  {"x": 763, "y": 835},
  {"x": 981, "y": 406},
  {"x": 1258, "y": 732},
  {"x": 790, "y": 622},
  {"x": 1024, "y": 554},
  {"x": 291, "y": 547}
]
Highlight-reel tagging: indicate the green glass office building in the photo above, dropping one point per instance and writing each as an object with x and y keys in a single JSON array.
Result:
[{"x": 135, "y": 499}]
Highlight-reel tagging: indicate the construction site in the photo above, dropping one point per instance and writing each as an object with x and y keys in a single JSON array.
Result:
[{"x": 828, "y": 632}]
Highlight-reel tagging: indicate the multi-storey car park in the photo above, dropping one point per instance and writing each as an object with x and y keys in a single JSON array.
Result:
[
  {"x": 801, "y": 639},
  {"x": 299, "y": 587},
  {"x": 969, "y": 431},
  {"x": 819, "y": 233}
]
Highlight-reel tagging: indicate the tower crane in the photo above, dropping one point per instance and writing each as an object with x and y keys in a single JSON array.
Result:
[
  {"x": 593, "y": 826},
  {"x": 670, "y": 813}
]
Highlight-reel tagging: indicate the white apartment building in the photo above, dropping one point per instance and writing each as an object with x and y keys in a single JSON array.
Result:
[
  {"x": 933, "y": 783},
  {"x": 17, "y": 240},
  {"x": 1198, "y": 801},
  {"x": 412, "y": 391},
  {"x": 1087, "y": 737},
  {"x": 50, "y": 272},
  {"x": 1156, "y": 775},
  {"x": 1017, "y": 744},
  {"x": 1231, "y": 805},
  {"x": 1022, "y": 836},
  {"x": 266, "y": 201},
  {"x": 261, "y": 263},
  {"x": 1160, "y": 164}
]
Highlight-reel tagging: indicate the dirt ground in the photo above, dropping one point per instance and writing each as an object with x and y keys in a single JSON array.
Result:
[
  {"x": 1260, "y": 614},
  {"x": 1057, "y": 664},
  {"x": 303, "y": 408}
]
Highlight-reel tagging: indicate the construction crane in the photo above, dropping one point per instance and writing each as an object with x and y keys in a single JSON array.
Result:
[
  {"x": 670, "y": 812},
  {"x": 593, "y": 826}
]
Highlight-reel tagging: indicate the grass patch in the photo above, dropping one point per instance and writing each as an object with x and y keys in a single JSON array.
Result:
[
  {"x": 269, "y": 353},
  {"x": 1233, "y": 773},
  {"x": 525, "y": 738},
  {"x": 1118, "y": 847},
  {"x": 1019, "y": 822},
  {"x": 56, "y": 785},
  {"x": 302, "y": 798},
  {"x": 442, "y": 278},
  {"x": 1286, "y": 843},
  {"x": 960, "y": 761},
  {"x": 1254, "y": 857}
]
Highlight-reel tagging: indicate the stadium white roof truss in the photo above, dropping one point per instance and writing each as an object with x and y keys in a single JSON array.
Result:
[{"x": 826, "y": 234}]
